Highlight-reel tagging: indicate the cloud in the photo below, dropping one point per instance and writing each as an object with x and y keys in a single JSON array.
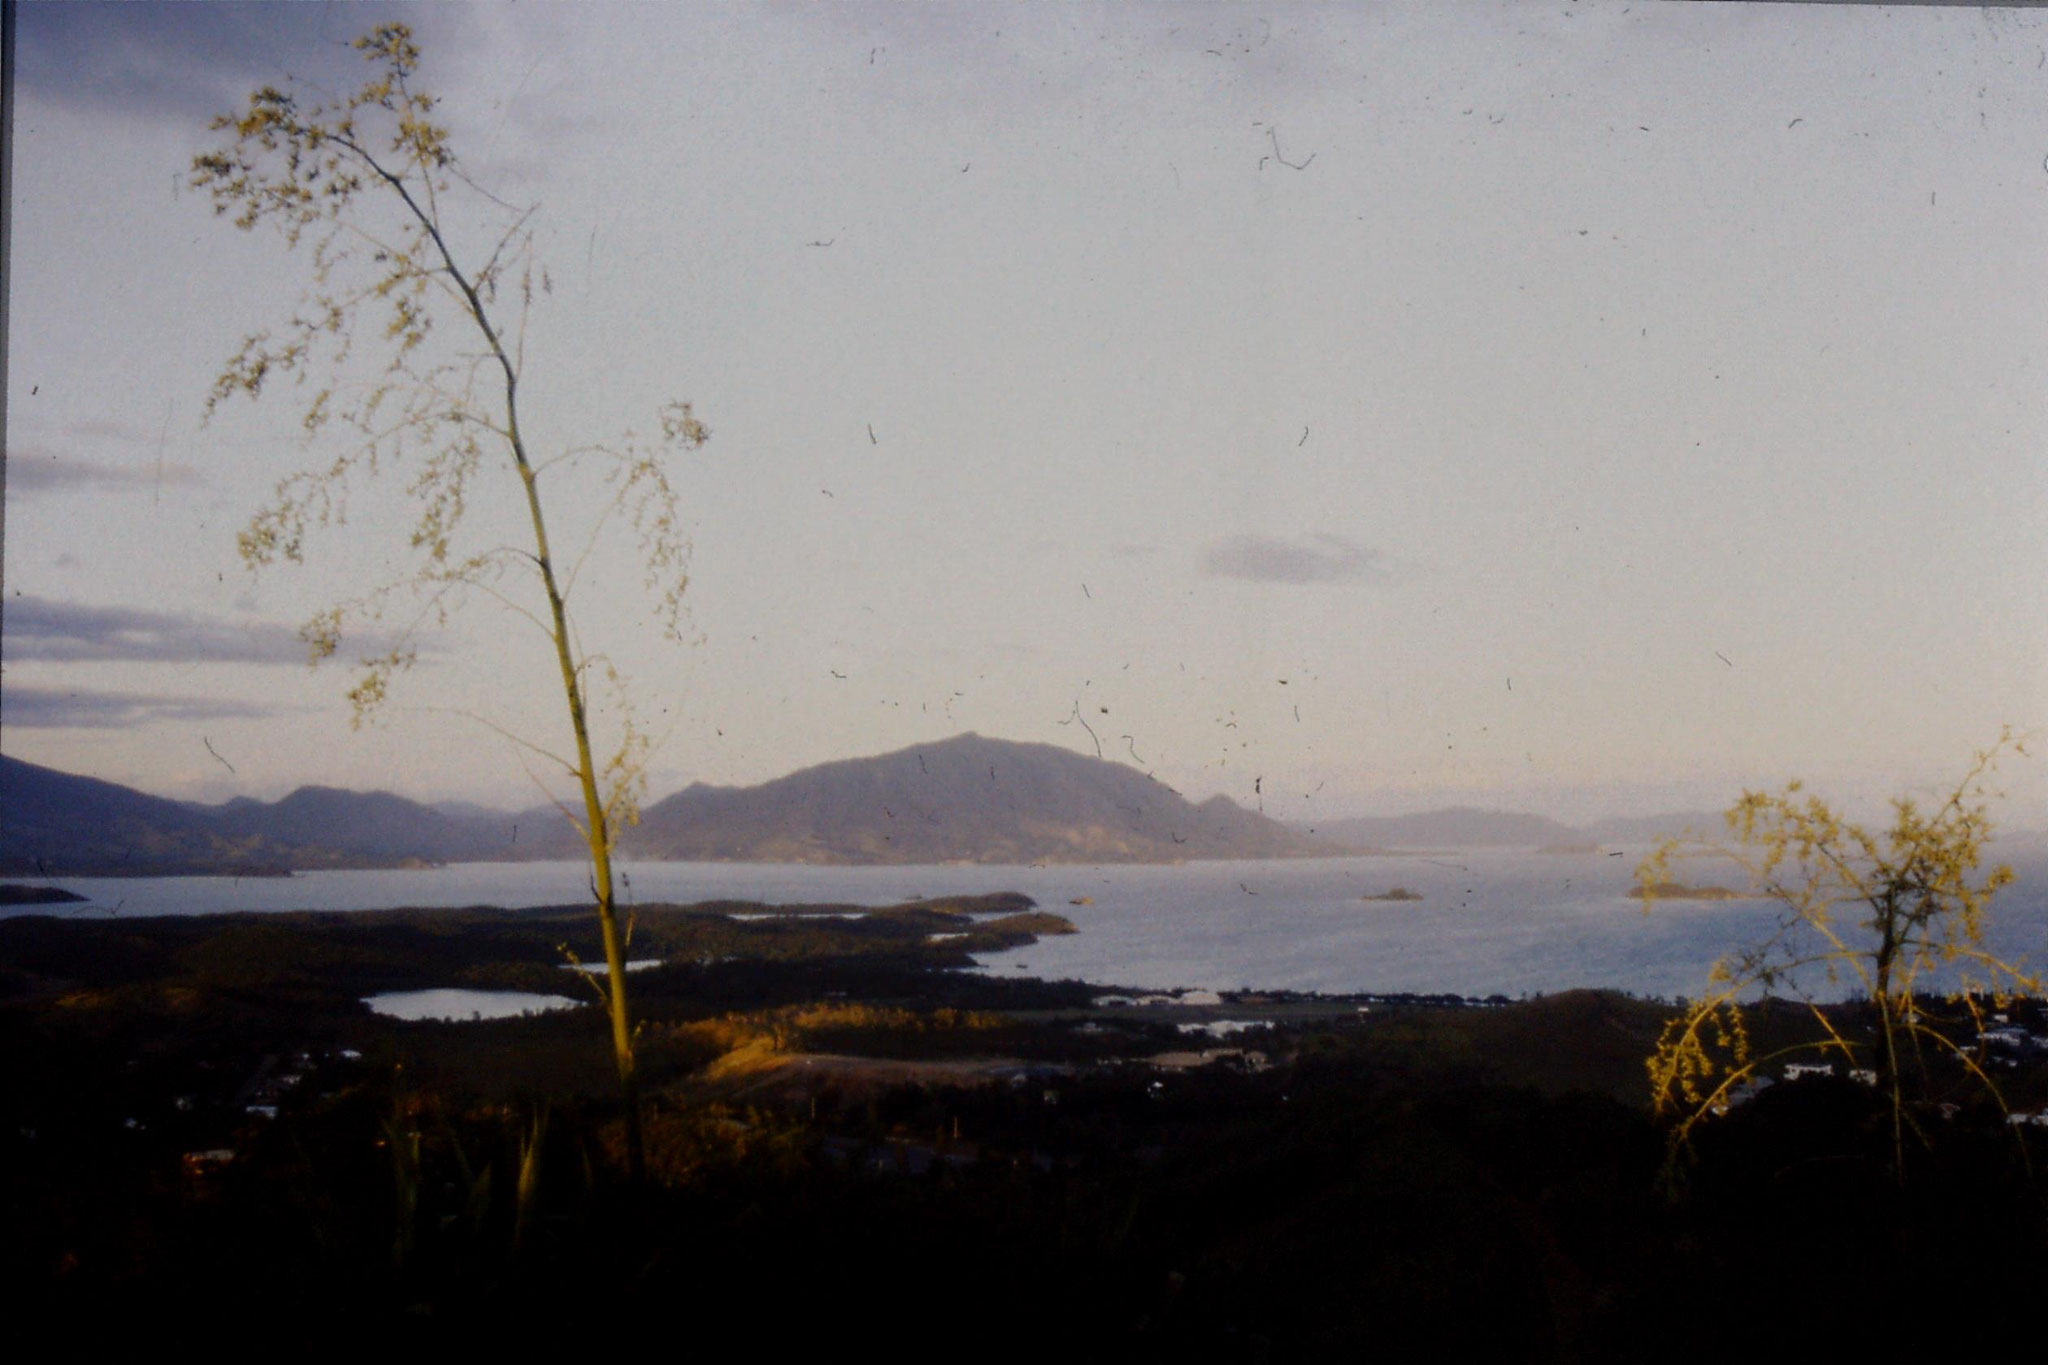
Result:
[
  {"x": 1318, "y": 558},
  {"x": 99, "y": 429},
  {"x": 195, "y": 61},
  {"x": 1050, "y": 56},
  {"x": 71, "y": 632},
  {"x": 36, "y": 471},
  {"x": 48, "y": 708}
]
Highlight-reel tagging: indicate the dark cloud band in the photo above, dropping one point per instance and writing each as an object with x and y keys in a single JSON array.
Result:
[
  {"x": 71, "y": 632},
  {"x": 52, "y": 708},
  {"x": 36, "y": 472}
]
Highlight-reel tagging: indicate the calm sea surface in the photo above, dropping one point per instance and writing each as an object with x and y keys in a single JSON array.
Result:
[{"x": 1490, "y": 921}]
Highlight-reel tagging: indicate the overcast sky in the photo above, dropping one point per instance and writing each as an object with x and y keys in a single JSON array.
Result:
[{"x": 1580, "y": 407}]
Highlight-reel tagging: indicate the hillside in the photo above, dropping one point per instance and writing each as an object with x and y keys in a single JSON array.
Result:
[
  {"x": 965, "y": 799},
  {"x": 54, "y": 823},
  {"x": 366, "y": 828}
]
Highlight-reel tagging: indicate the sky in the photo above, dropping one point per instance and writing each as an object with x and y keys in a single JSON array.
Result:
[{"x": 1590, "y": 408}]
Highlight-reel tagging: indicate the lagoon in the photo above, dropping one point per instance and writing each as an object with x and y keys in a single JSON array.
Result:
[{"x": 458, "y": 1004}]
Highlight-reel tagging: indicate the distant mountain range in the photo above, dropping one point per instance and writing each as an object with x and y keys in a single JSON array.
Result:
[
  {"x": 966, "y": 799},
  {"x": 1468, "y": 827},
  {"x": 57, "y": 824}
]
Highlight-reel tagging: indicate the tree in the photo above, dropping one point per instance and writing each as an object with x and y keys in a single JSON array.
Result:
[
  {"x": 1901, "y": 914},
  {"x": 366, "y": 184}
]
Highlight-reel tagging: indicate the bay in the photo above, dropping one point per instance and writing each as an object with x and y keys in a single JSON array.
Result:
[{"x": 1507, "y": 922}]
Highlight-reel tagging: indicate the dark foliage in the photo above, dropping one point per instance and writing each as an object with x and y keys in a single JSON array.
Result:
[{"x": 1447, "y": 1180}]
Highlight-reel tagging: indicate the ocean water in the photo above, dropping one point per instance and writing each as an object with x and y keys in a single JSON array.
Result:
[{"x": 1508, "y": 922}]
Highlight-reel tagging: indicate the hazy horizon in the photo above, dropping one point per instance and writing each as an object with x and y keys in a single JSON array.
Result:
[
  {"x": 1588, "y": 811},
  {"x": 1583, "y": 410}
]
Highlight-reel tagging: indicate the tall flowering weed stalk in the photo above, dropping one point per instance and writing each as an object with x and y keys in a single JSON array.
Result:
[{"x": 407, "y": 352}]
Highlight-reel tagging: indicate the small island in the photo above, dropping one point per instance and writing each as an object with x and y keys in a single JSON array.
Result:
[
  {"x": 14, "y": 893},
  {"x": 1398, "y": 893},
  {"x": 1679, "y": 891}
]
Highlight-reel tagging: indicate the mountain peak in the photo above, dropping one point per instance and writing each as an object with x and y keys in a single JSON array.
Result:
[{"x": 967, "y": 798}]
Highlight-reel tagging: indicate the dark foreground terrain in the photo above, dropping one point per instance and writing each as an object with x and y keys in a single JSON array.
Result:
[{"x": 208, "y": 1139}]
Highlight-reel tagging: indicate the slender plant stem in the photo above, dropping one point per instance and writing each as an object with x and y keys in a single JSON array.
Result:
[{"x": 597, "y": 823}]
